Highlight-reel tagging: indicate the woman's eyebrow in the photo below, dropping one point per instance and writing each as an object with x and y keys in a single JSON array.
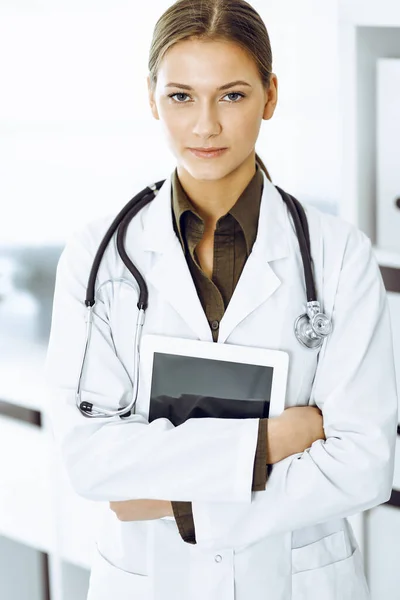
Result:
[{"x": 223, "y": 87}]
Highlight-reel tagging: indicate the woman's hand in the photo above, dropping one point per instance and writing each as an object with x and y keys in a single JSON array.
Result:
[
  {"x": 141, "y": 510},
  {"x": 294, "y": 430}
]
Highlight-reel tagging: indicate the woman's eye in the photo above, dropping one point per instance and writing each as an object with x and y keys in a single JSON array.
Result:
[
  {"x": 177, "y": 94},
  {"x": 182, "y": 96},
  {"x": 236, "y": 94}
]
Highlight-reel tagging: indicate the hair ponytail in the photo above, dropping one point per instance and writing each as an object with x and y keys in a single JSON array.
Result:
[{"x": 262, "y": 167}]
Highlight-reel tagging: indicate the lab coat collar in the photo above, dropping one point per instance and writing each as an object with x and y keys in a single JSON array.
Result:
[{"x": 170, "y": 274}]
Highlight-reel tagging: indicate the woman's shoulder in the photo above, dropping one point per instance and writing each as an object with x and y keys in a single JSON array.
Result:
[
  {"x": 90, "y": 234},
  {"x": 336, "y": 234},
  {"x": 85, "y": 240}
]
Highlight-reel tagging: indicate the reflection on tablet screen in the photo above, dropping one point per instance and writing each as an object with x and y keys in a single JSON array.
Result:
[{"x": 185, "y": 387}]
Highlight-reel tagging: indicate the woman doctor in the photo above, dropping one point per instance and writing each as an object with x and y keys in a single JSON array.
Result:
[{"x": 190, "y": 512}]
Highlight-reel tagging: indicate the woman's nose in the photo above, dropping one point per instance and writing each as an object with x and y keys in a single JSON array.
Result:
[{"x": 207, "y": 122}]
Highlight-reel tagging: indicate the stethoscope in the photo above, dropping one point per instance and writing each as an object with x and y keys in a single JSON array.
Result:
[{"x": 311, "y": 328}]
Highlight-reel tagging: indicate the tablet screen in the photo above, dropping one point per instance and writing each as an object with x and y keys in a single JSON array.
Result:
[{"x": 184, "y": 387}]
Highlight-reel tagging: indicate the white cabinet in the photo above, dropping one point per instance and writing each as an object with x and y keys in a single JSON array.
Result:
[
  {"x": 22, "y": 572},
  {"x": 388, "y": 154},
  {"x": 26, "y": 507},
  {"x": 369, "y": 67},
  {"x": 46, "y": 530},
  {"x": 394, "y": 303},
  {"x": 383, "y": 534}
]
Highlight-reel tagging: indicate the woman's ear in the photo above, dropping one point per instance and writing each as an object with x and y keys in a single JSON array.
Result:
[
  {"x": 152, "y": 101},
  {"x": 272, "y": 97}
]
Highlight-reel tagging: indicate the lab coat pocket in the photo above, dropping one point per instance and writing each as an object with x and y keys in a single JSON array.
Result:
[
  {"x": 325, "y": 569},
  {"x": 325, "y": 551},
  {"x": 108, "y": 581}
]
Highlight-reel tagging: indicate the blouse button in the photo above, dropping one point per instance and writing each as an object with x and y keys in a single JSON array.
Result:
[
  {"x": 218, "y": 558},
  {"x": 215, "y": 324}
]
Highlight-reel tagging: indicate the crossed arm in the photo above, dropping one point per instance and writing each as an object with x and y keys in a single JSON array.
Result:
[{"x": 293, "y": 431}]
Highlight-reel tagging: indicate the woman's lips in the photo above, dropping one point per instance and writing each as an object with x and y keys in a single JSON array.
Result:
[{"x": 208, "y": 153}]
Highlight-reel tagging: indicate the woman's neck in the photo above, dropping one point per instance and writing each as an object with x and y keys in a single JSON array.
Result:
[{"x": 214, "y": 198}]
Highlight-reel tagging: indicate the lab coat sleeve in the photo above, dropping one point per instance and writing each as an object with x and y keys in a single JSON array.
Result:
[
  {"x": 183, "y": 512},
  {"x": 107, "y": 459},
  {"x": 355, "y": 388}
]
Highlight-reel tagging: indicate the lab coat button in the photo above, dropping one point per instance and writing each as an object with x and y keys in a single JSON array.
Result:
[
  {"x": 215, "y": 324},
  {"x": 218, "y": 558}
]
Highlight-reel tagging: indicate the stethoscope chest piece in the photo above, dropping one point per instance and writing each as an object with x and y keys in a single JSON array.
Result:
[{"x": 312, "y": 327}]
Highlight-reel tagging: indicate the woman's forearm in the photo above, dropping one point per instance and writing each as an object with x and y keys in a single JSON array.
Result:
[{"x": 293, "y": 431}]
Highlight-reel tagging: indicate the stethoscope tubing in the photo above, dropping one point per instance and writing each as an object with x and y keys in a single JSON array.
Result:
[
  {"x": 120, "y": 225},
  {"x": 131, "y": 209},
  {"x": 303, "y": 235}
]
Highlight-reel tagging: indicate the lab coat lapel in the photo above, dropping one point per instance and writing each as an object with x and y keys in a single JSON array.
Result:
[
  {"x": 258, "y": 280},
  {"x": 170, "y": 275},
  {"x": 169, "y": 272}
]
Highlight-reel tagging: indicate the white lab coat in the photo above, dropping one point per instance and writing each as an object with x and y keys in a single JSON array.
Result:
[{"x": 291, "y": 541}]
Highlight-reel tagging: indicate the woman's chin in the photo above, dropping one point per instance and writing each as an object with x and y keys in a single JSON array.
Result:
[{"x": 208, "y": 172}]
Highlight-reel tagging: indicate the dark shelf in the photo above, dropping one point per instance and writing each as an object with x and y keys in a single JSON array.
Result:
[{"x": 20, "y": 413}]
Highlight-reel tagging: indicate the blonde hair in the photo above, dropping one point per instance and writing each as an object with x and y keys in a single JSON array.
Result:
[{"x": 232, "y": 20}]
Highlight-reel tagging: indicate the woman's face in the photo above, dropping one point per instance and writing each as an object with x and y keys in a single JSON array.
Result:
[{"x": 196, "y": 114}]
